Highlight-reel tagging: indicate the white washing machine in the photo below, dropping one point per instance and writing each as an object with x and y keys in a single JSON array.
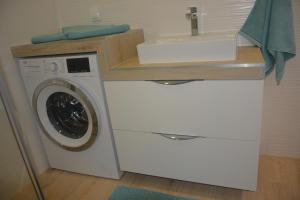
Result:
[{"x": 68, "y": 100}]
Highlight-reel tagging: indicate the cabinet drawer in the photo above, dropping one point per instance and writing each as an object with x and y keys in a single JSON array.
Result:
[
  {"x": 229, "y": 163},
  {"x": 221, "y": 109}
]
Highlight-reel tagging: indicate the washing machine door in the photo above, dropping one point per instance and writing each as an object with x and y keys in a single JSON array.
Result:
[{"x": 65, "y": 114}]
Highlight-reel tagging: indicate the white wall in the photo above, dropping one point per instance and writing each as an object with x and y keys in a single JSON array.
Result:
[
  {"x": 281, "y": 120},
  {"x": 156, "y": 17},
  {"x": 19, "y": 20}
]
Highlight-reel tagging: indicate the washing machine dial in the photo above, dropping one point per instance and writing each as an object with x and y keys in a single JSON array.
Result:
[{"x": 53, "y": 67}]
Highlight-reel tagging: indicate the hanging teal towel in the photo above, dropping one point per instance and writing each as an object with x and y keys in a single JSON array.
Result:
[
  {"x": 85, "y": 31},
  {"x": 48, "y": 38},
  {"x": 270, "y": 27}
]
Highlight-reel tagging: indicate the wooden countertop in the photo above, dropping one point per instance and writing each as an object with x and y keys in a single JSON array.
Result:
[
  {"x": 248, "y": 65},
  {"x": 118, "y": 60}
]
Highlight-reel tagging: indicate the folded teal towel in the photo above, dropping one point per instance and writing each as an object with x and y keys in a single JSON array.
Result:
[
  {"x": 270, "y": 26},
  {"x": 48, "y": 38},
  {"x": 85, "y": 31}
]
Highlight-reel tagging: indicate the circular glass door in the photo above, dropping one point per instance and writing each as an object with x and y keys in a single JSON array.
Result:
[{"x": 65, "y": 114}]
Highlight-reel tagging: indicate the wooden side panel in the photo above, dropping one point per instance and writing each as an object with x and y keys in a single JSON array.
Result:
[{"x": 123, "y": 47}]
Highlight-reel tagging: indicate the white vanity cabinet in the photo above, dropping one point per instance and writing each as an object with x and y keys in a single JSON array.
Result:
[{"x": 200, "y": 131}]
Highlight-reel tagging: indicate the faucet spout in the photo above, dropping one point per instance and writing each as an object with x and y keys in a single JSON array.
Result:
[{"x": 193, "y": 16}]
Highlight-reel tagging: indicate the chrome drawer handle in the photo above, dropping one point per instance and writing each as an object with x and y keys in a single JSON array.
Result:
[
  {"x": 173, "y": 82},
  {"x": 178, "y": 137}
]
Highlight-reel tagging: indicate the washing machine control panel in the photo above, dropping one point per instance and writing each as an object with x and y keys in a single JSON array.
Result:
[{"x": 73, "y": 66}]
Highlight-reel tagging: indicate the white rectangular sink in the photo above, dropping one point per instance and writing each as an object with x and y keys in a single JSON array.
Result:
[{"x": 219, "y": 46}]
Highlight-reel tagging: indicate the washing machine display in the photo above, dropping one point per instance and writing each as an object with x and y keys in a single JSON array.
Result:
[
  {"x": 78, "y": 65},
  {"x": 65, "y": 114}
]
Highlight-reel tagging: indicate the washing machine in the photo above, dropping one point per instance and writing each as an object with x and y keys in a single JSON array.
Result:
[{"x": 68, "y": 100}]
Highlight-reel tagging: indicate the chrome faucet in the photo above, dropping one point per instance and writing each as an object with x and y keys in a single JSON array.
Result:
[{"x": 193, "y": 16}]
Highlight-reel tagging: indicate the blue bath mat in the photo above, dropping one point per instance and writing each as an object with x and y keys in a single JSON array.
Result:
[{"x": 126, "y": 193}]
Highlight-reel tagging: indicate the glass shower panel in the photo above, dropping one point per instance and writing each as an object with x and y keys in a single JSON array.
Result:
[{"x": 14, "y": 178}]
